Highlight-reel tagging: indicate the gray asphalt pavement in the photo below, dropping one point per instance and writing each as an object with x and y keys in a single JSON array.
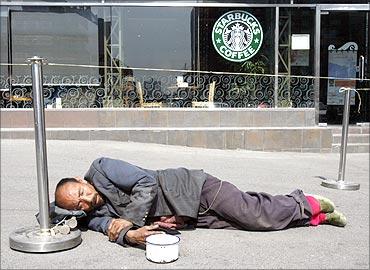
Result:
[{"x": 322, "y": 247}]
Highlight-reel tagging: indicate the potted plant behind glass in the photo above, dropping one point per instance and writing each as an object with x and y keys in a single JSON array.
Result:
[{"x": 245, "y": 85}]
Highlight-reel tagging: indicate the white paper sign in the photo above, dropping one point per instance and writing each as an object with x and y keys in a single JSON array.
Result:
[
  {"x": 300, "y": 41},
  {"x": 179, "y": 80}
]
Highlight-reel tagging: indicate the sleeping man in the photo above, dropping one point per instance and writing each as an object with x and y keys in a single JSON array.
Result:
[{"x": 129, "y": 203}]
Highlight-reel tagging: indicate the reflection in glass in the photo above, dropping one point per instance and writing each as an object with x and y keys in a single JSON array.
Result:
[{"x": 124, "y": 47}]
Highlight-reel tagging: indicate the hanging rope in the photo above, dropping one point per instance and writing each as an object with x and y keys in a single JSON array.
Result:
[
  {"x": 343, "y": 89},
  {"x": 192, "y": 71}
]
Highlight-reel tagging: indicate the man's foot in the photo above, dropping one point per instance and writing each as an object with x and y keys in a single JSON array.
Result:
[
  {"x": 336, "y": 218},
  {"x": 326, "y": 205}
]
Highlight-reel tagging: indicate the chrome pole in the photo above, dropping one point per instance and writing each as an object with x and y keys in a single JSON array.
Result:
[
  {"x": 317, "y": 65},
  {"x": 340, "y": 183},
  {"x": 344, "y": 139},
  {"x": 276, "y": 55},
  {"x": 40, "y": 142},
  {"x": 42, "y": 238}
]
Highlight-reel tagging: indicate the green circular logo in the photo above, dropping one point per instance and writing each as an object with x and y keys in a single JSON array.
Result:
[{"x": 237, "y": 35}]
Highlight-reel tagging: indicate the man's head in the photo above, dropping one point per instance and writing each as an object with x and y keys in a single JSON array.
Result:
[{"x": 77, "y": 194}]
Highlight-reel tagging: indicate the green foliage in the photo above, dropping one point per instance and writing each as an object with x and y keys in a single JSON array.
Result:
[
  {"x": 245, "y": 89},
  {"x": 256, "y": 67}
]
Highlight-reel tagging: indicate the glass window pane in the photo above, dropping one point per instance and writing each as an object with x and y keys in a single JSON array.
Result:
[
  {"x": 61, "y": 35},
  {"x": 237, "y": 37},
  {"x": 157, "y": 37},
  {"x": 4, "y": 40}
]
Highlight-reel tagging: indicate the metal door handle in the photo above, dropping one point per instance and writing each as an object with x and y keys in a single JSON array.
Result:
[{"x": 362, "y": 67}]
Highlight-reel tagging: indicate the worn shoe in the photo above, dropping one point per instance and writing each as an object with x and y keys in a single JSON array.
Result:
[
  {"x": 326, "y": 205},
  {"x": 336, "y": 218}
]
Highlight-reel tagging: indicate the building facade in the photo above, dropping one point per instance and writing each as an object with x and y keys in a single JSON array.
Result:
[{"x": 231, "y": 55}]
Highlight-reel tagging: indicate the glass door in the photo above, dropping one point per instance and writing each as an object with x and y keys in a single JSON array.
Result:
[{"x": 344, "y": 56}]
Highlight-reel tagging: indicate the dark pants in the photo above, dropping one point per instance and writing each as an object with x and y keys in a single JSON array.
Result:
[{"x": 234, "y": 209}]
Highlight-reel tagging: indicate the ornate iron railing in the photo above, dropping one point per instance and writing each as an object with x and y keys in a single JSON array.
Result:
[{"x": 231, "y": 90}]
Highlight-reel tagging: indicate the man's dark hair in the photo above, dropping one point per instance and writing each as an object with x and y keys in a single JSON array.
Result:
[{"x": 63, "y": 182}]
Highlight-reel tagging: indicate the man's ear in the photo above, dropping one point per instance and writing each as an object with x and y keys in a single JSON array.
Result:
[{"x": 80, "y": 179}]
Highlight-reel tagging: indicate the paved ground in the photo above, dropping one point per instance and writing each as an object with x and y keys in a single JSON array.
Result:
[{"x": 324, "y": 247}]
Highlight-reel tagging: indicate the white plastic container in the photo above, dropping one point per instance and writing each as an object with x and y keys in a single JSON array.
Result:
[{"x": 162, "y": 248}]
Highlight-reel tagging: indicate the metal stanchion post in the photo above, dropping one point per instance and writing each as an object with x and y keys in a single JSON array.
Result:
[
  {"x": 341, "y": 183},
  {"x": 40, "y": 239},
  {"x": 40, "y": 143}
]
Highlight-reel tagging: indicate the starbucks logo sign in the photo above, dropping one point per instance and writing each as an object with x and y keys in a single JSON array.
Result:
[{"x": 237, "y": 35}]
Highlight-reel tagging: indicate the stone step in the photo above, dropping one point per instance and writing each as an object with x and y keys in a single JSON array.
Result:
[
  {"x": 352, "y": 129},
  {"x": 352, "y": 138},
  {"x": 293, "y": 139},
  {"x": 353, "y": 148},
  {"x": 161, "y": 117}
]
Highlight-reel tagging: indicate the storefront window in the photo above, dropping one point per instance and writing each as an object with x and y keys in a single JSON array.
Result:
[
  {"x": 157, "y": 56},
  {"x": 157, "y": 37},
  {"x": 296, "y": 57},
  {"x": 4, "y": 70},
  {"x": 4, "y": 40},
  {"x": 344, "y": 53},
  {"x": 255, "y": 89},
  {"x": 61, "y": 35},
  {"x": 156, "y": 43}
]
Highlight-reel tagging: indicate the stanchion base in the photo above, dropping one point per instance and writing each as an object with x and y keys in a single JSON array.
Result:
[
  {"x": 340, "y": 185},
  {"x": 31, "y": 240}
]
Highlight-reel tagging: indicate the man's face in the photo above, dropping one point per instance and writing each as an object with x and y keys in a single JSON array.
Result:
[{"x": 78, "y": 196}]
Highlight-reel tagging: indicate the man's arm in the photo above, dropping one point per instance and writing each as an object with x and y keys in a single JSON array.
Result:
[
  {"x": 109, "y": 226},
  {"x": 115, "y": 228},
  {"x": 100, "y": 219},
  {"x": 139, "y": 235},
  {"x": 99, "y": 224},
  {"x": 141, "y": 188},
  {"x": 121, "y": 231},
  {"x": 142, "y": 196},
  {"x": 135, "y": 181}
]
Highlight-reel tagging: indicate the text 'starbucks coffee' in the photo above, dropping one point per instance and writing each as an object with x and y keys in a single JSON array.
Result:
[{"x": 237, "y": 35}]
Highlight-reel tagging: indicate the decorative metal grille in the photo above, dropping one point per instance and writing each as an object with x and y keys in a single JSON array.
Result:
[{"x": 231, "y": 90}]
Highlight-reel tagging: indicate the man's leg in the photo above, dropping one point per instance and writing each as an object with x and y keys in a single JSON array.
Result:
[
  {"x": 251, "y": 210},
  {"x": 213, "y": 221}
]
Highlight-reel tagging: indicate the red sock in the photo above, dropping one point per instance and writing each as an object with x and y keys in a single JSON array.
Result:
[
  {"x": 315, "y": 205},
  {"x": 317, "y": 219}
]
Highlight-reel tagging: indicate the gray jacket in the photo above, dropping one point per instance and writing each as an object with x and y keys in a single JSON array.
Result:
[{"x": 136, "y": 194}]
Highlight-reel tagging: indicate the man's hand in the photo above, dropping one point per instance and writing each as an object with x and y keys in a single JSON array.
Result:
[
  {"x": 138, "y": 236},
  {"x": 116, "y": 226},
  {"x": 170, "y": 222}
]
